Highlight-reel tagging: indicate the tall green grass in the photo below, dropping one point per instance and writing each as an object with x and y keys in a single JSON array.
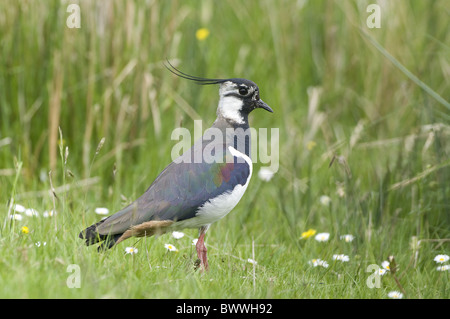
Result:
[{"x": 374, "y": 102}]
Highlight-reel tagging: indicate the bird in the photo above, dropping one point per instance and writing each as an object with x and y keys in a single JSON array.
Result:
[{"x": 199, "y": 187}]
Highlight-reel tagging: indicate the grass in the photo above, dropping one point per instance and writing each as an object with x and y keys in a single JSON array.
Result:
[{"x": 374, "y": 100}]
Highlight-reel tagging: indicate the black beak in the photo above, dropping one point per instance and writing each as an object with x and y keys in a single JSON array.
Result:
[{"x": 261, "y": 104}]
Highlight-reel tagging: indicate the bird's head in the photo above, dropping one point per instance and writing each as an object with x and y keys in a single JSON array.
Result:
[{"x": 238, "y": 97}]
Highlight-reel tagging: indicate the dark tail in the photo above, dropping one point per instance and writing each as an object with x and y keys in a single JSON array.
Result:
[{"x": 91, "y": 236}]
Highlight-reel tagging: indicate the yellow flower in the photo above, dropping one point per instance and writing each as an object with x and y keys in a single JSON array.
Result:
[
  {"x": 25, "y": 230},
  {"x": 202, "y": 34},
  {"x": 308, "y": 233},
  {"x": 311, "y": 145}
]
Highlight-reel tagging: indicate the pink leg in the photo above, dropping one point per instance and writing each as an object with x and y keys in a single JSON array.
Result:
[{"x": 201, "y": 248}]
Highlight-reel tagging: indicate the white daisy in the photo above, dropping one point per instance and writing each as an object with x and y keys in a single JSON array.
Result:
[
  {"x": 322, "y": 237},
  {"x": 323, "y": 263},
  {"x": 102, "y": 211},
  {"x": 19, "y": 208},
  {"x": 31, "y": 212},
  {"x": 265, "y": 174},
  {"x": 318, "y": 262},
  {"x": 177, "y": 234},
  {"x": 325, "y": 200},
  {"x": 131, "y": 250},
  {"x": 254, "y": 262},
  {"x": 385, "y": 265},
  {"x": 347, "y": 238},
  {"x": 341, "y": 257},
  {"x": 170, "y": 247},
  {"x": 395, "y": 295},
  {"x": 194, "y": 241},
  {"x": 16, "y": 217},
  {"x": 441, "y": 258},
  {"x": 382, "y": 271},
  {"x": 443, "y": 268},
  {"x": 50, "y": 213}
]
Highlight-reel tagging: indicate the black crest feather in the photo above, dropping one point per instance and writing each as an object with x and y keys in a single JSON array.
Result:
[{"x": 197, "y": 79}]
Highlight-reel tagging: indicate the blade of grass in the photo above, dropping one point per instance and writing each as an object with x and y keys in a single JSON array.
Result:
[{"x": 405, "y": 71}]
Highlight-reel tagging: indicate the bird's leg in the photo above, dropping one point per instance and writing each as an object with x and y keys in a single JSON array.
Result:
[{"x": 201, "y": 248}]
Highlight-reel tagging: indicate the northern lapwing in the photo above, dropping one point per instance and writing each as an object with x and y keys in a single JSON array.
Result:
[{"x": 202, "y": 185}]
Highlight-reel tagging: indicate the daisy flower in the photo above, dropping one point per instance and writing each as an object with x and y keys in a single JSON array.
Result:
[
  {"x": 254, "y": 262},
  {"x": 16, "y": 217},
  {"x": 322, "y": 237},
  {"x": 441, "y": 258},
  {"x": 265, "y": 174},
  {"x": 308, "y": 233},
  {"x": 39, "y": 244},
  {"x": 347, "y": 238},
  {"x": 341, "y": 257},
  {"x": 395, "y": 295},
  {"x": 382, "y": 271},
  {"x": 443, "y": 268},
  {"x": 170, "y": 247},
  {"x": 385, "y": 265},
  {"x": 177, "y": 234},
  {"x": 194, "y": 241},
  {"x": 318, "y": 262},
  {"x": 47, "y": 213},
  {"x": 19, "y": 208},
  {"x": 325, "y": 200},
  {"x": 102, "y": 211},
  {"x": 31, "y": 212},
  {"x": 131, "y": 250}
]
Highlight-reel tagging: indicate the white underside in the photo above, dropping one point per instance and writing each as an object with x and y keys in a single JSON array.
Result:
[{"x": 218, "y": 207}]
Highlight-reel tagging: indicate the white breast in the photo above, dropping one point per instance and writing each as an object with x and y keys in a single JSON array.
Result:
[{"x": 218, "y": 207}]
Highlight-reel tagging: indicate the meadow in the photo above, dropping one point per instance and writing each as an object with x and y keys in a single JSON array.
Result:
[{"x": 86, "y": 117}]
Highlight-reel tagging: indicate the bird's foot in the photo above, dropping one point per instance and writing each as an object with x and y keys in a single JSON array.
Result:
[
  {"x": 201, "y": 250},
  {"x": 197, "y": 264}
]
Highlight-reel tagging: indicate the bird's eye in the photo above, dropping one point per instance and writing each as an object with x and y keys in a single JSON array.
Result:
[{"x": 243, "y": 91}]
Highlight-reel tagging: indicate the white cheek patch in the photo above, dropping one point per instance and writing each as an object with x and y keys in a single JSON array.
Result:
[{"x": 230, "y": 108}]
